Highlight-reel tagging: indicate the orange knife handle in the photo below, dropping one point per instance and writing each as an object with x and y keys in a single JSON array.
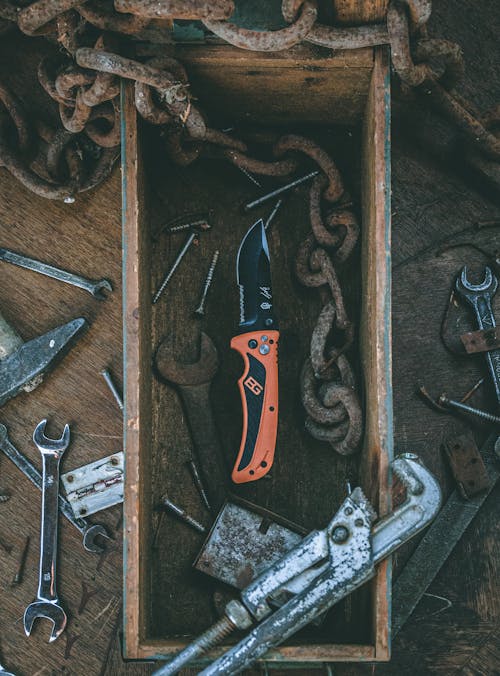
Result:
[{"x": 259, "y": 397}]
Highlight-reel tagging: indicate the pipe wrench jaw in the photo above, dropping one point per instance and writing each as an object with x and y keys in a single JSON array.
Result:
[{"x": 423, "y": 502}]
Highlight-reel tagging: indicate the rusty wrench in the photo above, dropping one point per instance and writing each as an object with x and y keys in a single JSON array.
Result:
[
  {"x": 479, "y": 298},
  {"x": 193, "y": 382},
  {"x": 89, "y": 531},
  {"x": 47, "y": 602}
]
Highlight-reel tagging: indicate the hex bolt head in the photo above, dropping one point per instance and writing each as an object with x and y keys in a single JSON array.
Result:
[
  {"x": 340, "y": 534},
  {"x": 238, "y": 614}
]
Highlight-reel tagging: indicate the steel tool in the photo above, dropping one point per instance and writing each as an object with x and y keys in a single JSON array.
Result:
[
  {"x": 479, "y": 298},
  {"x": 193, "y": 382},
  {"x": 438, "y": 543},
  {"x": 257, "y": 343},
  {"x": 322, "y": 569},
  {"x": 23, "y": 365},
  {"x": 93, "y": 286},
  {"x": 47, "y": 601},
  {"x": 89, "y": 531}
]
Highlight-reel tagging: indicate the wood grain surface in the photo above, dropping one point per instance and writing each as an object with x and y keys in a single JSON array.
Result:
[{"x": 433, "y": 201}]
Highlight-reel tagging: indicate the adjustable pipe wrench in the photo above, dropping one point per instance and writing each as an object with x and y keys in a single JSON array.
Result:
[{"x": 322, "y": 569}]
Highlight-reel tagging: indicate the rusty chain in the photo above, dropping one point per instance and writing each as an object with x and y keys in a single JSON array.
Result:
[{"x": 88, "y": 104}]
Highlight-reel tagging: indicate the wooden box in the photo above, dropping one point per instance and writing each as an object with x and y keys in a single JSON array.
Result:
[{"x": 166, "y": 602}]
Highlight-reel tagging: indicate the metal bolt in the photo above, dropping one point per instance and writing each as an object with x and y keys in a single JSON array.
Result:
[
  {"x": 273, "y": 213},
  {"x": 348, "y": 511},
  {"x": 200, "y": 310},
  {"x": 340, "y": 534},
  {"x": 199, "y": 483},
  {"x": 183, "y": 515},
  {"x": 113, "y": 389},
  {"x": 236, "y": 617},
  {"x": 458, "y": 405},
  {"x": 174, "y": 266},
  {"x": 284, "y": 188}
]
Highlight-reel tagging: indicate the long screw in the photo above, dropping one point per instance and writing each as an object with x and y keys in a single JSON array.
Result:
[
  {"x": 200, "y": 223},
  {"x": 200, "y": 310},
  {"x": 175, "y": 265},
  {"x": 458, "y": 405},
  {"x": 199, "y": 483},
  {"x": 112, "y": 387},
  {"x": 182, "y": 515},
  {"x": 273, "y": 213},
  {"x": 284, "y": 188}
]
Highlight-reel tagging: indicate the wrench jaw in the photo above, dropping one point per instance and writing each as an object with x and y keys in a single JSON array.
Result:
[
  {"x": 489, "y": 285},
  {"x": 51, "y": 446},
  {"x": 90, "y": 535},
  {"x": 97, "y": 290},
  {"x": 49, "y": 610}
]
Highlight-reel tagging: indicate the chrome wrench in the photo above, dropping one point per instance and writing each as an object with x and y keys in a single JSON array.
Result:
[
  {"x": 479, "y": 298},
  {"x": 47, "y": 603},
  {"x": 93, "y": 286},
  {"x": 89, "y": 531}
]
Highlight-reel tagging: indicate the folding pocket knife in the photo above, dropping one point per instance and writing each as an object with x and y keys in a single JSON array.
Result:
[{"x": 257, "y": 343}]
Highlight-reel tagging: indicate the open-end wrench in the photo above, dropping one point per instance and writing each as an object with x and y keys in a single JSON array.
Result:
[
  {"x": 89, "y": 531},
  {"x": 47, "y": 602},
  {"x": 93, "y": 286},
  {"x": 479, "y": 297},
  {"x": 193, "y": 382}
]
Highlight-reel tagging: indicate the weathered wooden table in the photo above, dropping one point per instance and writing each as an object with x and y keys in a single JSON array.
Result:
[{"x": 455, "y": 628}]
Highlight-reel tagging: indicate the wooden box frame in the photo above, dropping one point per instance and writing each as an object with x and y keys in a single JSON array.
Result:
[{"x": 347, "y": 86}]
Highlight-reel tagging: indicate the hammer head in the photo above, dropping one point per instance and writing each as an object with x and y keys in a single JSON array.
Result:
[{"x": 33, "y": 359}]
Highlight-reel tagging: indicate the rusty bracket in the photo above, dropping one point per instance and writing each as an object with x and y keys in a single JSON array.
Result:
[
  {"x": 467, "y": 465},
  {"x": 483, "y": 340}
]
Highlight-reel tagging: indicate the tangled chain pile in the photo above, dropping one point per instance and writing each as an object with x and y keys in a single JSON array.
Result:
[{"x": 81, "y": 152}]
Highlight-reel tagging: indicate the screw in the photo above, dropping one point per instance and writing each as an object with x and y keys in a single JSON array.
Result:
[
  {"x": 200, "y": 310},
  {"x": 199, "y": 483},
  {"x": 340, "y": 534},
  {"x": 284, "y": 188},
  {"x": 175, "y": 265},
  {"x": 200, "y": 222},
  {"x": 250, "y": 177},
  {"x": 458, "y": 405},
  {"x": 183, "y": 515},
  {"x": 18, "y": 576},
  {"x": 273, "y": 213},
  {"x": 236, "y": 616},
  {"x": 114, "y": 391}
]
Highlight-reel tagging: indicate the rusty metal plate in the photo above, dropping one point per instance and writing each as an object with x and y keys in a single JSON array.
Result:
[
  {"x": 481, "y": 341},
  {"x": 244, "y": 541},
  {"x": 467, "y": 465}
]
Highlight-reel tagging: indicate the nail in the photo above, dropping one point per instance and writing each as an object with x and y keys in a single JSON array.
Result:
[
  {"x": 273, "y": 213},
  {"x": 174, "y": 267},
  {"x": 18, "y": 577},
  {"x": 199, "y": 483},
  {"x": 284, "y": 188},
  {"x": 114, "y": 391},
  {"x": 200, "y": 310},
  {"x": 183, "y": 515}
]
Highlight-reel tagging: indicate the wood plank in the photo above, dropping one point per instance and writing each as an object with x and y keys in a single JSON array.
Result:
[
  {"x": 360, "y": 11},
  {"x": 327, "y": 86},
  {"x": 376, "y": 324}
]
